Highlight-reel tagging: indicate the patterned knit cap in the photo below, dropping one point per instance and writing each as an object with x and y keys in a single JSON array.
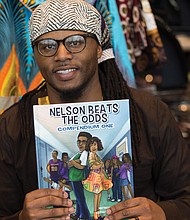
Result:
[{"x": 78, "y": 15}]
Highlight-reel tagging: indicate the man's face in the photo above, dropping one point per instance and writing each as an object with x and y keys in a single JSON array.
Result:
[
  {"x": 81, "y": 142},
  {"x": 70, "y": 74}
]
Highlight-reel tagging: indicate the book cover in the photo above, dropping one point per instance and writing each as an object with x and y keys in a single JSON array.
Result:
[{"x": 85, "y": 149}]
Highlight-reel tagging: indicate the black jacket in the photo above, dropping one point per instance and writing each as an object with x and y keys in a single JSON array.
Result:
[{"x": 163, "y": 173}]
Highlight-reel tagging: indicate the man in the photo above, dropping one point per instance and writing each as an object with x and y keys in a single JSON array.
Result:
[
  {"x": 69, "y": 38},
  {"x": 77, "y": 166}
]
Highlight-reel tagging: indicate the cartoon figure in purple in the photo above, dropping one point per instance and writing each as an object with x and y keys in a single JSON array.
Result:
[
  {"x": 54, "y": 167},
  {"x": 124, "y": 172},
  {"x": 64, "y": 171}
]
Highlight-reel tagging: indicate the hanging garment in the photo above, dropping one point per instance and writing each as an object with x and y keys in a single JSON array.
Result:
[
  {"x": 143, "y": 40},
  {"x": 153, "y": 56},
  {"x": 18, "y": 70},
  {"x": 110, "y": 13}
]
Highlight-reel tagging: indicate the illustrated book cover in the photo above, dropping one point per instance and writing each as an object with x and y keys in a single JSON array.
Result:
[{"x": 85, "y": 149}]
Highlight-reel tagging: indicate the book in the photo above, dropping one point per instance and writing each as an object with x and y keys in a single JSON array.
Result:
[{"x": 101, "y": 164}]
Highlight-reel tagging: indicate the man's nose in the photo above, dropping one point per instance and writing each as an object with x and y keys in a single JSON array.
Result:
[{"x": 62, "y": 53}]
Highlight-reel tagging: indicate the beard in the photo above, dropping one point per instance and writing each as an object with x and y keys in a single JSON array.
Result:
[{"x": 74, "y": 94}]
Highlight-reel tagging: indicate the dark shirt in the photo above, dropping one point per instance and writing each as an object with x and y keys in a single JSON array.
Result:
[{"x": 162, "y": 175}]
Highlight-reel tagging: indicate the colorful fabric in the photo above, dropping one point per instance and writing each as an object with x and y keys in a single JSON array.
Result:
[
  {"x": 143, "y": 40},
  {"x": 18, "y": 70},
  {"x": 119, "y": 43},
  {"x": 133, "y": 26},
  {"x": 97, "y": 179}
]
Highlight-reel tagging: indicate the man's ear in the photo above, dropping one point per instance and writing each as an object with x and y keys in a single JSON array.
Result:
[{"x": 99, "y": 51}]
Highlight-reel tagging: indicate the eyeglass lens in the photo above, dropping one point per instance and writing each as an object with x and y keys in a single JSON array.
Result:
[{"x": 74, "y": 44}]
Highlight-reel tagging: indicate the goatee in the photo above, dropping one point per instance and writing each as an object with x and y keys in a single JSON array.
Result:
[{"x": 72, "y": 95}]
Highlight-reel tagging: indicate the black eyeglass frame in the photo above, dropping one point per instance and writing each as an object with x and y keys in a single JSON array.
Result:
[{"x": 36, "y": 43}]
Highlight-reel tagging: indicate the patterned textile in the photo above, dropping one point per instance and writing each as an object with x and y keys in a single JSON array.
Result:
[
  {"x": 144, "y": 44},
  {"x": 118, "y": 39},
  {"x": 18, "y": 70},
  {"x": 133, "y": 26},
  {"x": 68, "y": 15},
  {"x": 153, "y": 56},
  {"x": 97, "y": 179}
]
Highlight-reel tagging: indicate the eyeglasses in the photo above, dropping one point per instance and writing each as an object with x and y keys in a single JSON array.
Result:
[
  {"x": 81, "y": 142},
  {"x": 73, "y": 43}
]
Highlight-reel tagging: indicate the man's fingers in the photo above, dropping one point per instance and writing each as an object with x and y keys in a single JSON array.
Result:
[
  {"x": 53, "y": 212},
  {"x": 45, "y": 192},
  {"x": 136, "y": 208},
  {"x": 54, "y": 201},
  {"x": 47, "y": 197},
  {"x": 126, "y": 209},
  {"x": 123, "y": 205},
  {"x": 124, "y": 213}
]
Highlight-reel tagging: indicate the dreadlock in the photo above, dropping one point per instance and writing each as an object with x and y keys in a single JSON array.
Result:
[
  {"x": 26, "y": 110},
  {"x": 115, "y": 87}
]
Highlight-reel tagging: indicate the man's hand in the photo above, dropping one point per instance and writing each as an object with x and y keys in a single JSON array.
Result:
[
  {"x": 39, "y": 204},
  {"x": 137, "y": 208}
]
